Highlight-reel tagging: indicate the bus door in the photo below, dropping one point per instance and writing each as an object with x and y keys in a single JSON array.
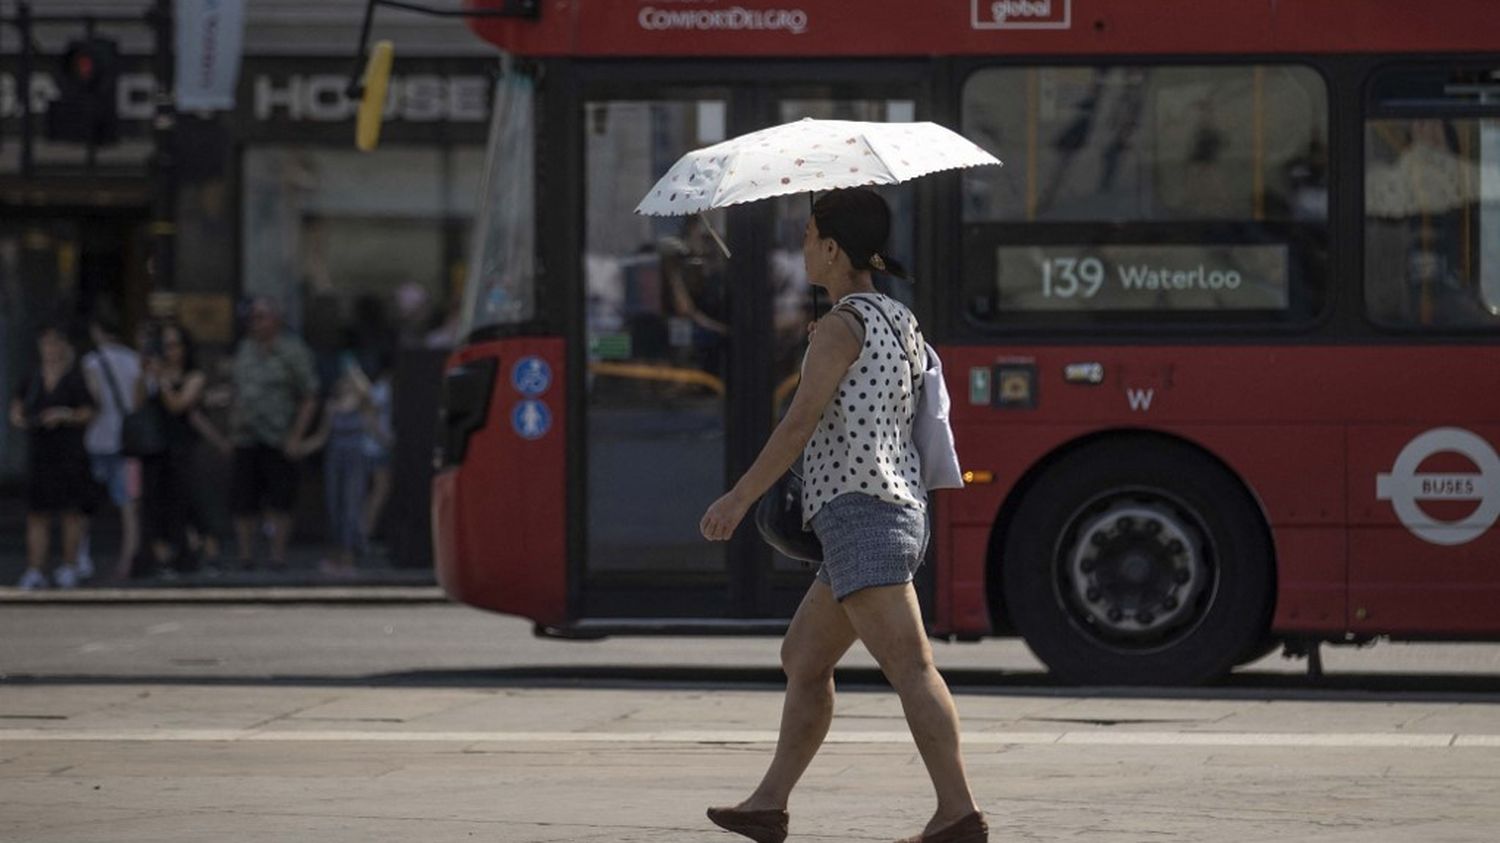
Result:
[{"x": 690, "y": 355}]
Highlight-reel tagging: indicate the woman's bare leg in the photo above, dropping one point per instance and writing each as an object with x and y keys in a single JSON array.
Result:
[
  {"x": 889, "y": 623},
  {"x": 380, "y": 490},
  {"x": 818, "y": 637},
  {"x": 73, "y": 526},
  {"x": 38, "y": 540}
]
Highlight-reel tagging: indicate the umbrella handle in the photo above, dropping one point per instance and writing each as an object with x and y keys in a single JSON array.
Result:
[
  {"x": 812, "y": 291},
  {"x": 717, "y": 239}
]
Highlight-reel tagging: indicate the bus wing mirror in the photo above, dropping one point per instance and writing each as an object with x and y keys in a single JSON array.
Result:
[{"x": 372, "y": 103}]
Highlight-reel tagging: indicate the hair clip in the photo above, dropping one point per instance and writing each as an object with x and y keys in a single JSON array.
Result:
[{"x": 877, "y": 261}]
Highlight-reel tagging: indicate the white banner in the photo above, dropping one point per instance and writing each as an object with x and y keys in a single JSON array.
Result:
[{"x": 210, "y": 35}]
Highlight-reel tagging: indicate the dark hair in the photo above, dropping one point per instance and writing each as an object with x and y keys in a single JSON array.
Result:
[
  {"x": 859, "y": 221},
  {"x": 107, "y": 318},
  {"x": 56, "y": 325},
  {"x": 189, "y": 346}
]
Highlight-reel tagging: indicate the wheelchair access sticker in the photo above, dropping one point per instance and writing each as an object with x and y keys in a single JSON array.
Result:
[
  {"x": 531, "y": 376},
  {"x": 531, "y": 419},
  {"x": 1404, "y": 487}
]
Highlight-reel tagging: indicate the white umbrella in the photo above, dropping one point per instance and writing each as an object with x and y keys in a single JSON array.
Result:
[
  {"x": 1424, "y": 180},
  {"x": 807, "y": 156}
]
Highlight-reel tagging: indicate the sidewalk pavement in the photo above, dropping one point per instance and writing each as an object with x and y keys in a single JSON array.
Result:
[
  {"x": 639, "y": 762},
  {"x": 375, "y": 579}
]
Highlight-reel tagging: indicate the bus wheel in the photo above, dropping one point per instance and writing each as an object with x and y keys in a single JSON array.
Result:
[{"x": 1138, "y": 562}]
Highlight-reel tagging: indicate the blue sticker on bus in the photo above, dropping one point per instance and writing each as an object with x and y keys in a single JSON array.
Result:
[
  {"x": 531, "y": 376},
  {"x": 531, "y": 419}
]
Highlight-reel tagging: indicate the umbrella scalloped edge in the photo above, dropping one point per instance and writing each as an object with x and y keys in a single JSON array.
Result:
[{"x": 868, "y": 183}]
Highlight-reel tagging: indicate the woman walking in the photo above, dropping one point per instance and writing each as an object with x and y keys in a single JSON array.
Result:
[{"x": 863, "y": 496}]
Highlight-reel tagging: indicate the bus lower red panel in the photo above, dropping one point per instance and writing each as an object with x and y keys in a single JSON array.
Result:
[{"x": 500, "y": 516}]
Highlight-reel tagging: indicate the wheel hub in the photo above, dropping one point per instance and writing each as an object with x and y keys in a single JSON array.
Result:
[{"x": 1136, "y": 569}]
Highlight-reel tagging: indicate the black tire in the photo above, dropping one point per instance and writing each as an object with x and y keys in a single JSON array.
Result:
[
  {"x": 1138, "y": 561},
  {"x": 1259, "y": 650}
]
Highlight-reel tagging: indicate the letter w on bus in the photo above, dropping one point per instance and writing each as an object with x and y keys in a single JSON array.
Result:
[{"x": 1140, "y": 399}]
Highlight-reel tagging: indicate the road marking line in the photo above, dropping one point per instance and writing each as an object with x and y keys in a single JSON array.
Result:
[{"x": 1081, "y": 738}]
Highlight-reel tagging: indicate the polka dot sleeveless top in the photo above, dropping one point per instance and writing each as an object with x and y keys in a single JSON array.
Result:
[{"x": 863, "y": 442}]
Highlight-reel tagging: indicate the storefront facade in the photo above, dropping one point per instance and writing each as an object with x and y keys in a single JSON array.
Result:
[{"x": 361, "y": 250}]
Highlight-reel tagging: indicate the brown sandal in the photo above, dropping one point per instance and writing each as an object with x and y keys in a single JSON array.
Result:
[
  {"x": 970, "y": 828},
  {"x": 768, "y": 826}
]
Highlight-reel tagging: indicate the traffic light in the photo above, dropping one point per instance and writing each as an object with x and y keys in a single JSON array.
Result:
[{"x": 84, "y": 111}]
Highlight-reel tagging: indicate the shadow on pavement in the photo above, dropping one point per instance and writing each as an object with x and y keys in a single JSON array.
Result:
[{"x": 1341, "y": 687}]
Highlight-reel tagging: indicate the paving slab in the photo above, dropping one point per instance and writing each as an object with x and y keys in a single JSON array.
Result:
[{"x": 537, "y": 765}]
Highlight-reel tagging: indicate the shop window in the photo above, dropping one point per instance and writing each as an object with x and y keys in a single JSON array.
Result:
[
  {"x": 341, "y": 237},
  {"x": 1145, "y": 194}
]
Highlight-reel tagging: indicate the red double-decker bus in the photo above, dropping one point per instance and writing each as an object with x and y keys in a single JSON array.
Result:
[{"x": 1221, "y": 334}]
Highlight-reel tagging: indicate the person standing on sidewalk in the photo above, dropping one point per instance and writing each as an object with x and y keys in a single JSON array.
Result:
[
  {"x": 348, "y": 420},
  {"x": 53, "y": 406},
  {"x": 112, "y": 370},
  {"x": 863, "y": 495},
  {"x": 275, "y": 396},
  {"x": 171, "y": 381}
]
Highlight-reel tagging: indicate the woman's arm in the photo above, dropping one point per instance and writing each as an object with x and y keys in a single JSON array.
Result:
[
  {"x": 830, "y": 353},
  {"x": 208, "y": 431},
  {"x": 79, "y": 416},
  {"x": 179, "y": 401},
  {"x": 318, "y": 438},
  {"x": 139, "y": 394},
  {"x": 18, "y": 414}
]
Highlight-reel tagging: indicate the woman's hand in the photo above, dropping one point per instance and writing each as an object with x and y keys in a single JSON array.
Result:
[{"x": 721, "y": 519}]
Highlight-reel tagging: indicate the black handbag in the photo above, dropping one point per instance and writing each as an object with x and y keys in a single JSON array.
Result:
[
  {"x": 143, "y": 432},
  {"x": 778, "y": 517}
]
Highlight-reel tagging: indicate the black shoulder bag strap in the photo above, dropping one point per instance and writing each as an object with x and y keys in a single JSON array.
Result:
[{"x": 114, "y": 386}]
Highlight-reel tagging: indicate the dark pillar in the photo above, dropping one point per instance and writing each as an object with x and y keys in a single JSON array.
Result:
[{"x": 163, "y": 124}]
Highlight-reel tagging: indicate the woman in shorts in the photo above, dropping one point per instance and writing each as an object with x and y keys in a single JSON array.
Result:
[{"x": 863, "y": 496}]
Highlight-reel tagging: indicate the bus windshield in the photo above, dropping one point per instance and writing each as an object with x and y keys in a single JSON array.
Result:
[{"x": 502, "y": 288}]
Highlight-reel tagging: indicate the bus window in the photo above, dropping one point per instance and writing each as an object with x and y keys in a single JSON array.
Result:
[
  {"x": 1146, "y": 193},
  {"x": 502, "y": 287},
  {"x": 1432, "y": 222}
]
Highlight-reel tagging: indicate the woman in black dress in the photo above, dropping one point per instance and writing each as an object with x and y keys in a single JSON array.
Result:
[
  {"x": 54, "y": 406},
  {"x": 171, "y": 382}
]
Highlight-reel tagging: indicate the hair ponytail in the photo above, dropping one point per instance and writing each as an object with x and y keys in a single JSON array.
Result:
[{"x": 859, "y": 221}]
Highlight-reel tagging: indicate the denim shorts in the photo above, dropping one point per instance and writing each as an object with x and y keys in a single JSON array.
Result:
[
  {"x": 868, "y": 542},
  {"x": 118, "y": 475}
]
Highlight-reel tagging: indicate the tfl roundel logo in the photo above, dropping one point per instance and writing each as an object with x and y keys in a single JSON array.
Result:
[{"x": 1405, "y": 488}]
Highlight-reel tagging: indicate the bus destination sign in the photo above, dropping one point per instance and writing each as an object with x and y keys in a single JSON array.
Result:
[{"x": 1143, "y": 277}]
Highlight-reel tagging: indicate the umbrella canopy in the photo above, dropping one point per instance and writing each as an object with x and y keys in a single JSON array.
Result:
[
  {"x": 1425, "y": 180},
  {"x": 807, "y": 156}
]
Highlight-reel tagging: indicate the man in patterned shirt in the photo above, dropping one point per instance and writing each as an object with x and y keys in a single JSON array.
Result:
[{"x": 275, "y": 396}]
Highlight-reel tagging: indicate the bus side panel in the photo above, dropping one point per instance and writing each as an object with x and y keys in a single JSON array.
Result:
[
  {"x": 961, "y": 603},
  {"x": 1296, "y": 473},
  {"x": 1301, "y": 493},
  {"x": 499, "y": 518},
  {"x": 1424, "y": 496}
]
